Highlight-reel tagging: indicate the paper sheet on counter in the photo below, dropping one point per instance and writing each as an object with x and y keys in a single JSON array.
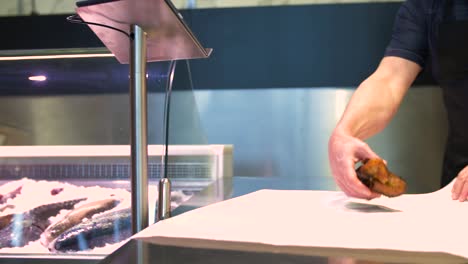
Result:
[{"x": 430, "y": 222}]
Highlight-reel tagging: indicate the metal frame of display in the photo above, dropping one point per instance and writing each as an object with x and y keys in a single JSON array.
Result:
[{"x": 137, "y": 32}]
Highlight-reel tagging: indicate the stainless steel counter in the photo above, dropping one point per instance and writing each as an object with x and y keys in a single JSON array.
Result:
[
  {"x": 141, "y": 251},
  {"x": 163, "y": 251}
]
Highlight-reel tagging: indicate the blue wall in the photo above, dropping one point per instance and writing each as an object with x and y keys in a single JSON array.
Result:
[{"x": 254, "y": 47}]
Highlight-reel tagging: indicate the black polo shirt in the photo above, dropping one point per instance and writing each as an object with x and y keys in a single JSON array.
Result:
[
  {"x": 415, "y": 30},
  {"x": 415, "y": 38}
]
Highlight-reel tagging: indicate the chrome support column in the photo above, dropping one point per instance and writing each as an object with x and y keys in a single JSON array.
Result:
[{"x": 139, "y": 128}]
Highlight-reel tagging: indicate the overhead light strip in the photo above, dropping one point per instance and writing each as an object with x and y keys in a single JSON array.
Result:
[{"x": 62, "y": 56}]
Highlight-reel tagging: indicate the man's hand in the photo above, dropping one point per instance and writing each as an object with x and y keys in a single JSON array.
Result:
[
  {"x": 344, "y": 152},
  {"x": 460, "y": 188},
  {"x": 370, "y": 109}
]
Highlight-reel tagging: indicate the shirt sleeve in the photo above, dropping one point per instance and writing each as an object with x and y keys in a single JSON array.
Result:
[{"x": 410, "y": 34}]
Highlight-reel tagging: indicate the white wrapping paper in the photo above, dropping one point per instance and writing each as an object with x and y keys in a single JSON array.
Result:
[{"x": 414, "y": 222}]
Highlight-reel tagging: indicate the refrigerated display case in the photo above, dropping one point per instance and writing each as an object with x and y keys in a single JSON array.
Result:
[
  {"x": 47, "y": 192},
  {"x": 65, "y": 157}
]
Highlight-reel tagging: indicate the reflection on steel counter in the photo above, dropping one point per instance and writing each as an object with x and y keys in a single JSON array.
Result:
[{"x": 77, "y": 219}]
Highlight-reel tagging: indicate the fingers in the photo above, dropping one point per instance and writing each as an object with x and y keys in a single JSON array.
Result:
[
  {"x": 460, "y": 187},
  {"x": 456, "y": 189},
  {"x": 353, "y": 186},
  {"x": 344, "y": 153},
  {"x": 362, "y": 153},
  {"x": 365, "y": 152},
  {"x": 343, "y": 186},
  {"x": 360, "y": 189},
  {"x": 357, "y": 188},
  {"x": 463, "y": 193}
]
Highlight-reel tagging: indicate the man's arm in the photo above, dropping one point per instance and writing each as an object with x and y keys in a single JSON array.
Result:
[
  {"x": 377, "y": 99},
  {"x": 370, "y": 109}
]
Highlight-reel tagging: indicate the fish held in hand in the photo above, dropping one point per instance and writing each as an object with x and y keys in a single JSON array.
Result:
[{"x": 375, "y": 175}]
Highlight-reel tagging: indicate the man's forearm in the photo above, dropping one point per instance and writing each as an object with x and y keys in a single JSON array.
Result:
[
  {"x": 370, "y": 109},
  {"x": 377, "y": 99}
]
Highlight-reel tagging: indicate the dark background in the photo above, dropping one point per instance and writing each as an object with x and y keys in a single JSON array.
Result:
[{"x": 329, "y": 45}]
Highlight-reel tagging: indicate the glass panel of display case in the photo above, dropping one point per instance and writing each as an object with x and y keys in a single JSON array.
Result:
[{"x": 65, "y": 156}]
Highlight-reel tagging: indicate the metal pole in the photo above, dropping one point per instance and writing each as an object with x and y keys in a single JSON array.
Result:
[
  {"x": 164, "y": 198},
  {"x": 139, "y": 146},
  {"x": 164, "y": 191}
]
